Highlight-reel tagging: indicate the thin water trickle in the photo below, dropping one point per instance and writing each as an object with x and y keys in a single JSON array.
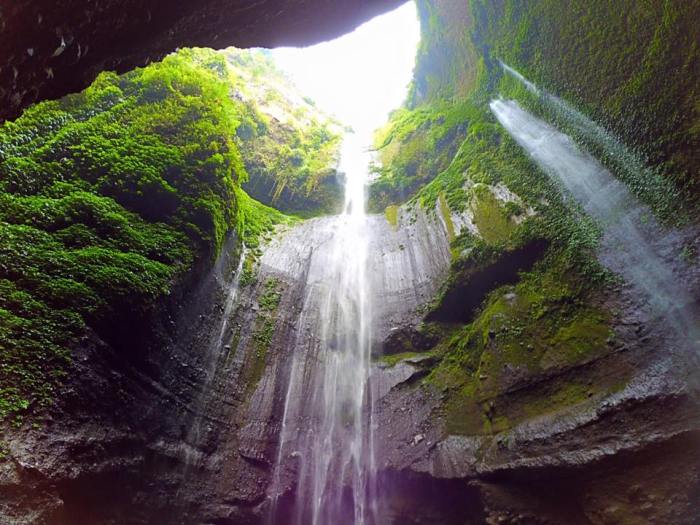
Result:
[{"x": 215, "y": 350}]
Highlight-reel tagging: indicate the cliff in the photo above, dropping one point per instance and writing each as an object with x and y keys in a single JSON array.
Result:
[{"x": 533, "y": 268}]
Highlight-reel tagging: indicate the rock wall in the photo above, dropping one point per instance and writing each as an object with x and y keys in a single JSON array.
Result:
[
  {"x": 471, "y": 429},
  {"x": 189, "y": 434}
]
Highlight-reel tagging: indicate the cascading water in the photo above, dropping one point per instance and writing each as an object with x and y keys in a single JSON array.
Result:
[
  {"x": 632, "y": 239},
  {"x": 613, "y": 152},
  {"x": 343, "y": 456},
  {"x": 325, "y": 465},
  {"x": 335, "y": 449}
]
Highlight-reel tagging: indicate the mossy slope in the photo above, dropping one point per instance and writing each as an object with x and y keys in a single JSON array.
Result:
[
  {"x": 518, "y": 354},
  {"x": 633, "y": 67},
  {"x": 290, "y": 148},
  {"x": 108, "y": 199}
]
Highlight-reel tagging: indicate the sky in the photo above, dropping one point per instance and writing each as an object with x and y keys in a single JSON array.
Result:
[{"x": 360, "y": 77}]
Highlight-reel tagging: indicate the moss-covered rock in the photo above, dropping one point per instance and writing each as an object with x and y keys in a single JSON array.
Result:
[
  {"x": 637, "y": 74},
  {"x": 524, "y": 333}
]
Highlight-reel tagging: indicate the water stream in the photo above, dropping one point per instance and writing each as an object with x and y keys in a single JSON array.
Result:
[
  {"x": 324, "y": 470},
  {"x": 216, "y": 349},
  {"x": 608, "y": 148}
]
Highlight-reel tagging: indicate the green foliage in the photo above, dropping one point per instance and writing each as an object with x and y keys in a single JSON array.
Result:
[
  {"x": 490, "y": 216},
  {"x": 413, "y": 148},
  {"x": 290, "y": 147},
  {"x": 392, "y": 215},
  {"x": 270, "y": 299},
  {"x": 543, "y": 324},
  {"x": 107, "y": 199},
  {"x": 255, "y": 220},
  {"x": 488, "y": 156},
  {"x": 263, "y": 332},
  {"x": 446, "y": 64},
  {"x": 248, "y": 272},
  {"x": 446, "y": 216}
]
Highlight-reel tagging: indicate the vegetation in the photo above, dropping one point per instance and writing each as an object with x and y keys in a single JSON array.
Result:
[
  {"x": 263, "y": 331},
  {"x": 108, "y": 199},
  {"x": 413, "y": 148},
  {"x": 445, "y": 62},
  {"x": 290, "y": 148},
  {"x": 257, "y": 221},
  {"x": 392, "y": 215},
  {"x": 542, "y": 325},
  {"x": 446, "y": 152}
]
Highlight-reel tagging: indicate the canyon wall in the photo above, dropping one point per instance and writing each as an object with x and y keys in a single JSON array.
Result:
[{"x": 520, "y": 376}]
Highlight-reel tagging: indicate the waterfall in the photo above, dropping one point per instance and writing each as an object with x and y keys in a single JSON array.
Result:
[
  {"x": 328, "y": 385},
  {"x": 324, "y": 470},
  {"x": 342, "y": 451},
  {"x": 634, "y": 244}
]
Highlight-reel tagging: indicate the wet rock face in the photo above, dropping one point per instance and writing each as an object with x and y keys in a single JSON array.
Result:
[
  {"x": 579, "y": 463},
  {"x": 50, "y": 49},
  {"x": 187, "y": 429},
  {"x": 127, "y": 431},
  {"x": 189, "y": 433}
]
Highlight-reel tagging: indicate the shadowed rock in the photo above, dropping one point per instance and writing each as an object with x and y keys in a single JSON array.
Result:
[{"x": 50, "y": 49}]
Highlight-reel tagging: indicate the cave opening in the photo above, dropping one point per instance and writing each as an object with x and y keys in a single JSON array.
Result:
[{"x": 421, "y": 273}]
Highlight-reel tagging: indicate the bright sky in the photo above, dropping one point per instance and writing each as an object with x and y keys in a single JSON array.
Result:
[{"x": 359, "y": 77}]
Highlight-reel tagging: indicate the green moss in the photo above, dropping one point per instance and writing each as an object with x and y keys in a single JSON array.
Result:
[
  {"x": 392, "y": 215},
  {"x": 257, "y": 221},
  {"x": 446, "y": 216},
  {"x": 413, "y": 148},
  {"x": 255, "y": 365},
  {"x": 586, "y": 334},
  {"x": 270, "y": 298},
  {"x": 108, "y": 200},
  {"x": 491, "y": 216},
  {"x": 464, "y": 414},
  {"x": 290, "y": 148},
  {"x": 263, "y": 332},
  {"x": 248, "y": 271},
  {"x": 566, "y": 395},
  {"x": 543, "y": 323},
  {"x": 393, "y": 359}
]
